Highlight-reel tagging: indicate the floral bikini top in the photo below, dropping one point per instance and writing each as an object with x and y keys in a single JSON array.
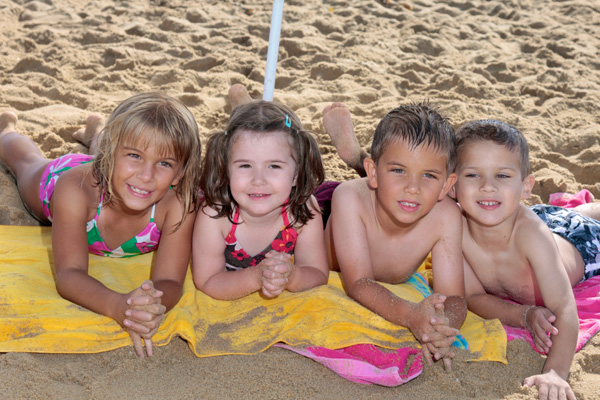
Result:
[
  {"x": 144, "y": 242},
  {"x": 235, "y": 256}
]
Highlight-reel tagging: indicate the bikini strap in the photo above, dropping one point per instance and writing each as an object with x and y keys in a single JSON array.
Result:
[
  {"x": 99, "y": 207},
  {"x": 236, "y": 217},
  {"x": 284, "y": 215},
  {"x": 152, "y": 214}
]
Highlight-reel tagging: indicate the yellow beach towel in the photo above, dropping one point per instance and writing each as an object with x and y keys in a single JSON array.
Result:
[{"x": 34, "y": 318}]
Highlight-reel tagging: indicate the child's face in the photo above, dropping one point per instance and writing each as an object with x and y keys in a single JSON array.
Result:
[
  {"x": 142, "y": 176},
  {"x": 490, "y": 186},
  {"x": 262, "y": 171},
  {"x": 409, "y": 182}
]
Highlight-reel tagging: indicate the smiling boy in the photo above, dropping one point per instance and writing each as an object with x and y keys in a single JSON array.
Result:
[
  {"x": 511, "y": 254},
  {"x": 383, "y": 226}
]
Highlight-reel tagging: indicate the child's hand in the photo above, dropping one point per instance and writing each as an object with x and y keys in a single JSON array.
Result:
[
  {"x": 538, "y": 321},
  {"x": 144, "y": 315},
  {"x": 431, "y": 328},
  {"x": 550, "y": 386},
  {"x": 276, "y": 268}
]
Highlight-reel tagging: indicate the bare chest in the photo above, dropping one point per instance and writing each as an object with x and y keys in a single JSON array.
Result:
[
  {"x": 395, "y": 259},
  {"x": 504, "y": 274}
]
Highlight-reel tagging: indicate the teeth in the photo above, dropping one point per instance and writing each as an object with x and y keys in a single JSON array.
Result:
[
  {"x": 489, "y": 203},
  {"x": 257, "y": 195},
  {"x": 140, "y": 191},
  {"x": 404, "y": 203}
]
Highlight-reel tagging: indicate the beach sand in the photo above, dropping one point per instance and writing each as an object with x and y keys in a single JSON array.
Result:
[{"x": 534, "y": 64}]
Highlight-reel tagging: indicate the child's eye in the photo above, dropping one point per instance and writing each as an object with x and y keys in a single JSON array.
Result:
[
  {"x": 274, "y": 166},
  {"x": 133, "y": 155},
  {"x": 398, "y": 170},
  {"x": 165, "y": 164},
  {"x": 471, "y": 175},
  {"x": 244, "y": 165},
  {"x": 503, "y": 176},
  {"x": 429, "y": 176}
]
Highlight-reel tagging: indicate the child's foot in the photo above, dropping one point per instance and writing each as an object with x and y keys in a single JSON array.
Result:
[
  {"x": 238, "y": 95},
  {"x": 93, "y": 125},
  {"x": 337, "y": 122},
  {"x": 8, "y": 120}
]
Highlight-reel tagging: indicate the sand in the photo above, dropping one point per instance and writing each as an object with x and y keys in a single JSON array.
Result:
[{"x": 531, "y": 63}]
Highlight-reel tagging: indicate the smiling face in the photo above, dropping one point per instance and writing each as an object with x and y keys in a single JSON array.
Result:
[
  {"x": 262, "y": 171},
  {"x": 409, "y": 181},
  {"x": 490, "y": 186},
  {"x": 142, "y": 174}
]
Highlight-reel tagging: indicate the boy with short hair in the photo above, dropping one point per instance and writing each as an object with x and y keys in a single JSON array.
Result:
[
  {"x": 382, "y": 227},
  {"x": 511, "y": 254}
]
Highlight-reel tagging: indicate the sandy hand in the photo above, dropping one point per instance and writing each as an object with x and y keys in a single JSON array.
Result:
[
  {"x": 429, "y": 325},
  {"x": 276, "y": 269},
  {"x": 550, "y": 386},
  {"x": 143, "y": 316}
]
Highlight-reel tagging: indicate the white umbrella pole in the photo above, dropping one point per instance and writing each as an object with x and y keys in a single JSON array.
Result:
[{"x": 273, "y": 51}]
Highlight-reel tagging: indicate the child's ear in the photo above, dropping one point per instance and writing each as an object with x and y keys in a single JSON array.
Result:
[
  {"x": 449, "y": 186},
  {"x": 527, "y": 186},
  {"x": 371, "y": 170},
  {"x": 177, "y": 178}
]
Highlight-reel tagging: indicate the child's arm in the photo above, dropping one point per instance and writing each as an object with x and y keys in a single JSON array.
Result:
[
  {"x": 447, "y": 261},
  {"x": 310, "y": 267},
  {"x": 555, "y": 287},
  {"x": 173, "y": 255},
  {"x": 71, "y": 200},
  {"x": 208, "y": 262}
]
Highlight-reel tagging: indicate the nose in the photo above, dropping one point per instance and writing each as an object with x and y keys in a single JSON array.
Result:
[
  {"x": 488, "y": 185},
  {"x": 412, "y": 185},
  {"x": 145, "y": 172},
  {"x": 258, "y": 176}
]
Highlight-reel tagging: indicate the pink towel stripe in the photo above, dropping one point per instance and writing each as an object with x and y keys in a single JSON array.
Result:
[
  {"x": 367, "y": 364},
  {"x": 587, "y": 298}
]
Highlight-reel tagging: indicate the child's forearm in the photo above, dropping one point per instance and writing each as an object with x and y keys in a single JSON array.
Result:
[
  {"x": 564, "y": 343},
  {"x": 172, "y": 291},
  {"x": 455, "y": 309},
  {"x": 304, "y": 278},
  {"x": 78, "y": 287},
  {"x": 231, "y": 285},
  {"x": 490, "y": 307},
  {"x": 380, "y": 300}
]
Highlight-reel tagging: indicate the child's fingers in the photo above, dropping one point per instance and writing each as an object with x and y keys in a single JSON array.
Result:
[
  {"x": 448, "y": 362},
  {"x": 148, "y": 343},
  {"x": 274, "y": 285},
  {"x": 426, "y": 354},
  {"x": 143, "y": 300},
  {"x": 137, "y": 343}
]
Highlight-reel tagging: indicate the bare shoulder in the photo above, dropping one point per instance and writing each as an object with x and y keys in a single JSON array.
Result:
[
  {"x": 446, "y": 215},
  {"x": 530, "y": 228},
  {"x": 352, "y": 193}
]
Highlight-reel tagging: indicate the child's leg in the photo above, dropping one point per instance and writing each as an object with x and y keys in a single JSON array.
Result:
[
  {"x": 25, "y": 161},
  {"x": 338, "y": 125},
  {"x": 90, "y": 135},
  {"x": 591, "y": 210}
]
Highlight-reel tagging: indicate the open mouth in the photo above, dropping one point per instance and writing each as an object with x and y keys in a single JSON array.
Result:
[
  {"x": 138, "y": 191},
  {"x": 488, "y": 203}
]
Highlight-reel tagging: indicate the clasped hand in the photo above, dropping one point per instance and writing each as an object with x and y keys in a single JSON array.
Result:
[
  {"x": 431, "y": 327},
  {"x": 143, "y": 316},
  {"x": 276, "y": 270}
]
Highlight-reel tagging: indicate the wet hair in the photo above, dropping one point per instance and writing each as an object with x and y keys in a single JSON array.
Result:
[
  {"x": 498, "y": 132},
  {"x": 260, "y": 117},
  {"x": 152, "y": 119},
  {"x": 417, "y": 124}
]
